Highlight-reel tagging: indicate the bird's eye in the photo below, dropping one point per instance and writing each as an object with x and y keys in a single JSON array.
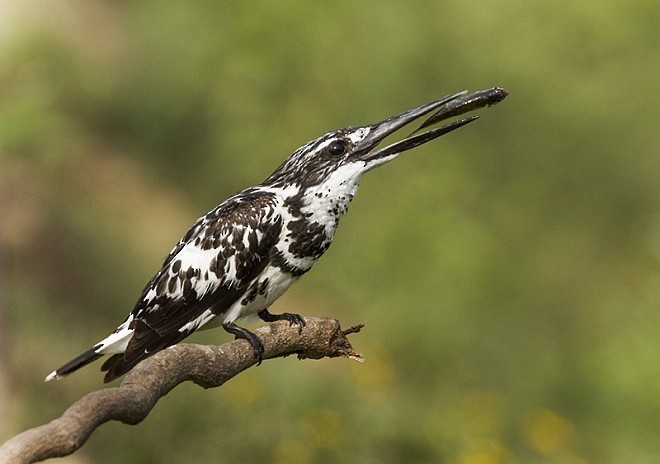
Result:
[{"x": 337, "y": 148}]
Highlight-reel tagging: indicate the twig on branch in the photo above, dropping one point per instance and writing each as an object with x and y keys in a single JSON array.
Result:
[{"x": 153, "y": 378}]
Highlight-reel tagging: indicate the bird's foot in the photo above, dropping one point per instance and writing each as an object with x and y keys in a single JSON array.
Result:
[
  {"x": 245, "y": 334},
  {"x": 293, "y": 319}
]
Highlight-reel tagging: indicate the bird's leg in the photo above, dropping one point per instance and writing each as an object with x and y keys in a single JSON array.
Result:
[
  {"x": 293, "y": 319},
  {"x": 245, "y": 334}
]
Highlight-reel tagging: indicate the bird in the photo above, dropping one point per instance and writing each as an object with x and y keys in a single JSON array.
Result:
[{"x": 244, "y": 254}]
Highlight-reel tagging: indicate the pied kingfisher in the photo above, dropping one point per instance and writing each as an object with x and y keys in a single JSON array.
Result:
[{"x": 243, "y": 255}]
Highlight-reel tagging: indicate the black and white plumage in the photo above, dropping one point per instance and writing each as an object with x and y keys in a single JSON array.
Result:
[{"x": 243, "y": 255}]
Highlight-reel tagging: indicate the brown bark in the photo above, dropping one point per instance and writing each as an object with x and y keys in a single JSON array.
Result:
[{"x": 207, "y": 366}]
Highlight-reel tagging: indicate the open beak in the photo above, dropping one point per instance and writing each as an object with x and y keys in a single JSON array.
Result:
[{"x": 447, "y": 107}]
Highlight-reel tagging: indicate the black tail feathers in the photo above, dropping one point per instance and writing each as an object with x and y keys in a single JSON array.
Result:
[{"x": 76, "y": 363}]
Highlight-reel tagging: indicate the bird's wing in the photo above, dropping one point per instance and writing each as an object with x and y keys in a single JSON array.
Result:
[{"x": 206, "y": 272}]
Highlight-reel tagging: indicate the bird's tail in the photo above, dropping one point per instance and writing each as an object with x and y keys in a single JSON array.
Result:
[
  {"x": 112, "y": 344},
  {"x": 76, "y": 363}
]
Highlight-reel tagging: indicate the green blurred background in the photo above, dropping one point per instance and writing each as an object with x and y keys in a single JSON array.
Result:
[{"x": 508, "y": 274}]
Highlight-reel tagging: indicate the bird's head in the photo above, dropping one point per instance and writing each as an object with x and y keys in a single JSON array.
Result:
[{"x": 346, "y": 154}]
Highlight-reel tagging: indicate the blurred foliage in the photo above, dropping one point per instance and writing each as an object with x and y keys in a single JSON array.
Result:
[{"x": 508, "y": 274}]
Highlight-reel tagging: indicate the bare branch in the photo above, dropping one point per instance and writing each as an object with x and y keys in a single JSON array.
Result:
[{"x": 207, "y": 366}]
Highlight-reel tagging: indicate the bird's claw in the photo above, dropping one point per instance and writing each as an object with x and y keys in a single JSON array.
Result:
[
  {"x": 291, "y": 318},
  {"x": 245, "y": 334}
]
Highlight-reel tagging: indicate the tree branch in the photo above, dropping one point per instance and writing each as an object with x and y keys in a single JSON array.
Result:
[{"x": 153, "y": 378}]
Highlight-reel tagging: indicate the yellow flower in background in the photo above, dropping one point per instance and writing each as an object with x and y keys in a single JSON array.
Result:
[{"x": 547, "y": 432}]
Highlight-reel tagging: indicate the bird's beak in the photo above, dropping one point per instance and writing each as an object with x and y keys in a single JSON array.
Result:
[{"x": 451, "y": 105}]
